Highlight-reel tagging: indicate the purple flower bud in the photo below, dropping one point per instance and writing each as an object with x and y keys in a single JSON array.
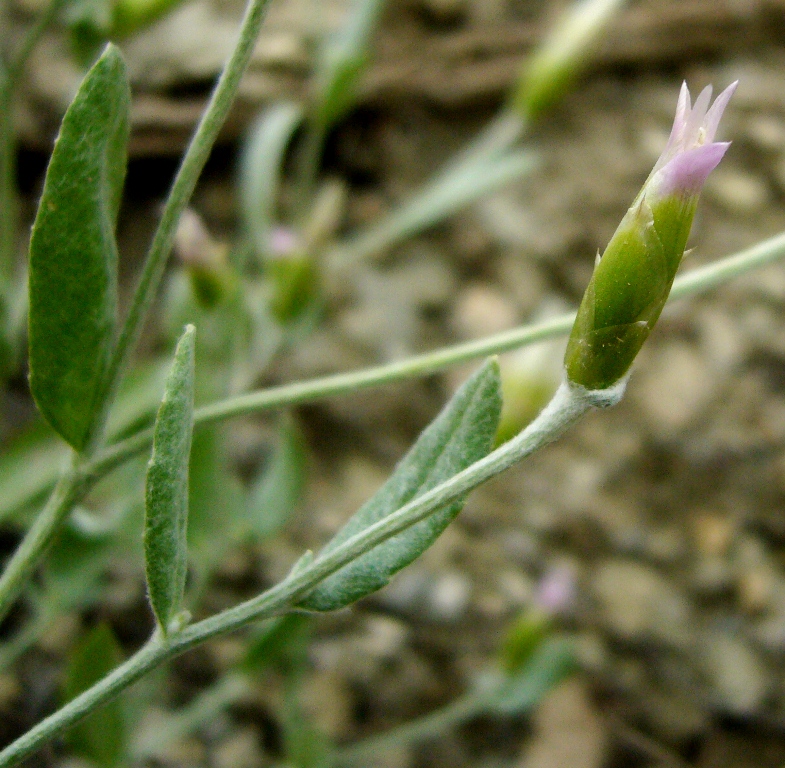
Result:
[{"x": 632, "y": 280}]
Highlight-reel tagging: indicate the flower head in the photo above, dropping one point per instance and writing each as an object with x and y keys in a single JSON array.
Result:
[{"x": 632, "y": 280}]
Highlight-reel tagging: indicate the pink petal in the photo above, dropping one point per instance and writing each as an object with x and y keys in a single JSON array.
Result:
[
  {"x": 714, "y": 115},
  {"x": 697, "y": 116},
  {"x": 687, "y": 172}
]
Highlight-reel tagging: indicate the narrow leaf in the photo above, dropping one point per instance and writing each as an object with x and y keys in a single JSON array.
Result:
[
  {"x": 73, "y": 254},
  {"x": 166, "y": 493},
  {"x": 447, "y": 194},
  {"x": 101, "y": 738},
  {"x": 260, "y": 171},
  {"x": 343, "y": 60},
  {"x": 461, "y": 435},
  {"x": 279, "y": 488},
  {"x": 553, "y": 660}
]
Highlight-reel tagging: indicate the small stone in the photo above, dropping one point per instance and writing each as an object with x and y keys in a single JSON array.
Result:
[
  {"x": 384, "y": 637},
  {"x": 567, "y": 730},
  {"x": 711, "y": 575},
  {"x": 722, "y": 343},
  {"x": 767, "y": 131},
  {"x": 481, "y": 310},
  {"x": 639, "y": 604},
  {"x": 738, "y": 675},
  {"x": 423, "y": 276},
  {"x": 240, "y": 750},
  {"x": 756, "y": 588},
  {"x": 736, "y": 190},
  {"x": 674, "y": 389},
  {"x": 712, "y": 533},
  {"x": 328, "y": 701},
  {"x": 449, "y": 596}
]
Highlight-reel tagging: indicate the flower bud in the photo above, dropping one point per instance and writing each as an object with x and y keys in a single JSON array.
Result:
[
  {"x": 632, "y": 280},
  {"x": 562, "y": 56}
]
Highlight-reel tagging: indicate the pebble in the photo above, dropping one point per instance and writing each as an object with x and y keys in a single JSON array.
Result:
[
  {"x": 721, "y": 340},
  {"x": 712, "y": 533},
  {"x": 481, "y": 310},
  {"x": 767, "y": 132},
  {"x": 240, "y": 750},
  {"x": 739, "y": 678},
  {"x": 384, "y": 637},
  {"x": 674, "y": 389},
  {"x": 639, "y": 604},
  {"x": 449, "y": 596},
  {"x": 737, "y": 191}
]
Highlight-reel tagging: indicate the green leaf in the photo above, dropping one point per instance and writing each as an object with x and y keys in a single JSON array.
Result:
[
  {"x": 344, "y": 58},
  {"x": 448, "y": 193},
  {"x": 461, "y": 435},
  {"x": 553, "y": 660},
  {"x": 166, "y": 492},
  {"x": 73, "y": 254},
  {"x": 260, "y": 171},
  {"x": 279, "y": 488},
  {"x": 102, "y": 736}
]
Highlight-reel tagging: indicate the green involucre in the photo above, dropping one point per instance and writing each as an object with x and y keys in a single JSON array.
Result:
[{"x": 628, "y": 290}]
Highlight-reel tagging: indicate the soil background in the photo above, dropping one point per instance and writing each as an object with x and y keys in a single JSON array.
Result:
[{"x": 665, "y": 515}]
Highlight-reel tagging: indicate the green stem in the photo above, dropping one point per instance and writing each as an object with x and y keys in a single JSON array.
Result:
[
  {"x": 182, "y": 188},
  {"x": 69, "y": 488},
  {"x": 74, "y": 484},
  {"x": 694, "y": 282},
  {"x": 567, "y": 406},
  {"x": 307, "y": 170},
  {"x": 469, "y": 705}
]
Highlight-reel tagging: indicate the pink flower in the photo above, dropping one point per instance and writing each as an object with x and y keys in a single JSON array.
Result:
[{"x": 691, "y": 153}]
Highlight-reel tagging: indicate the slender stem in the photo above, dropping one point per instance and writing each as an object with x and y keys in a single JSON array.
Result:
[
  {"x": 74, "y": 483},
  {"x": 696, "y": 281},
  {"x": 67, "y": 491},
  {"x": 182, "y": 188},
  {"x": 307, "y": 169},
  {"x": 567, "y": 406},
  {"x": 201, "y": 710},
  {"x": 88, "y": 473},
  {"x": 470, "y": 704}
]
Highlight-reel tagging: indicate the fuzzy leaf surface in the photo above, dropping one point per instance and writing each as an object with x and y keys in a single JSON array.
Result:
[
  {"x": 166, "y": 491},
  {"x": 73, "y": 254},
  {"x": 461, "y": 435}
]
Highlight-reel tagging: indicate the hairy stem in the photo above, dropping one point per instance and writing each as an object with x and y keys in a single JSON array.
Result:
[
  {"x": 567, "y": 406},
  {"x": 73, "y": 484},
  {"x": 694, "y": 282},
  {"x": 182, "y": 188},
  {"x": 66, "y": 492}
]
